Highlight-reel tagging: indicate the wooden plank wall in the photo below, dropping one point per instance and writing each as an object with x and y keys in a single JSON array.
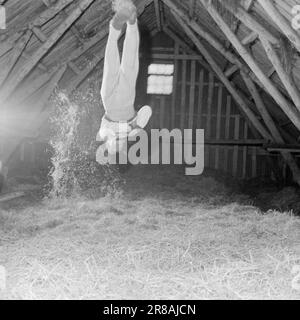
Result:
[{"x": 200, "y": 101}]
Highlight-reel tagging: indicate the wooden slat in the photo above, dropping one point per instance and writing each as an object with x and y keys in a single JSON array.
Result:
[
  {"x": 236, "y": 148},
  {"x": 229, "y": 85},
  {"x": 14, "y": 56},
  {"x": 254, "y": 162},
  {"x": 219, "y": 119},
  {"x": 245, "y": 152},
  {"x": 162, "y": 110},
  {"x": 192, "y": 95},
  {"x": 291, "y": 112},
  {"x": 200, "y": 98},
  {"x": 227, "y": 129},
  {"x": 10, "y": 86},
  {"x": 183, "y": 95},
  {"x": 211, "y": 88},
  {"x": 174, "y": 94}
]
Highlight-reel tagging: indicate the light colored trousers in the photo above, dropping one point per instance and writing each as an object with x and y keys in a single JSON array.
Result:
[{"x": 119, "y": 77}]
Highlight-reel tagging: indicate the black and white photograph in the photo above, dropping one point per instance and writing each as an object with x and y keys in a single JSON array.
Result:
[{"x": 149, "y": 151}]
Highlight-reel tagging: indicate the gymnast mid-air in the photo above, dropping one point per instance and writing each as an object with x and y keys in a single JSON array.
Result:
[{"x": 119, "y": 83}]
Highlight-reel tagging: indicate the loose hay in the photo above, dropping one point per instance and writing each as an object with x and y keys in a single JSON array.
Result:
[{"x": 162, "y": 244}]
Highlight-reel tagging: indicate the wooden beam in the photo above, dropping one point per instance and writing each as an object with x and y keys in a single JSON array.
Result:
[
  {"x": 230, "y": 87},
  {"x": 284, "y": 25},
  {"x": 171, "y": 56},
  {"x": 74, "y": 83},
  {"x": 14, "y": 56},
  {"x": 42, "y": 19},
  {"x": 10, "y": 86},
  {"x": 250, "y": 38},
  {"x": 157, "y": 13},
  {"x": 168, "y": 31},
  {"x": 50, "y": 13},
  {"x": 11, "y": 196},
  {"x": 192, "y": 95},
  {"x": 192, "y": 8},
  {"x": 283, "y": 75},
  {"x": 247, "y": 19},
  {"x": 174, "y": 94},
  {"x": 290, "y": 110},
  {"x": 214, "y": 42}
]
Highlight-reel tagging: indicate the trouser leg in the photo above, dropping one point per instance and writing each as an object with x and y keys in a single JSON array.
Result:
[
  {"x": 112, "y": 65},
  {"x": 130, "y": 56}
]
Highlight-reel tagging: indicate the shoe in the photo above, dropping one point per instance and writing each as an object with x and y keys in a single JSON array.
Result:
[{"x": 143, "y": 117}]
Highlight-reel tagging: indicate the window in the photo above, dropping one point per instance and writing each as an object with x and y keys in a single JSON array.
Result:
[{"x": 160, "y": 79}]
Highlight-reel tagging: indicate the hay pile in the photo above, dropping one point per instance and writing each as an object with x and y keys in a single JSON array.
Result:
[
  {"x": 160, "y": 238},
  {"x": 287, "y": 199}
]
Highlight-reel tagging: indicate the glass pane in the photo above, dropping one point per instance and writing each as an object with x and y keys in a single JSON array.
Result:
[
  {"x": 160, "y": 85},
  {"x": 161, "y": 69}
]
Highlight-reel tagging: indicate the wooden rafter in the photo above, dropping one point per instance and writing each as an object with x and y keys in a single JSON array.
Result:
[
  {"x": 158, "y": 14},
  {"x": 247, "y": 5},
  {"x": 289, "y": 109},
  {"x": 194, "y": 54},
  {"x": 284, "y": 25},
  {"x": 246, "y": 18},
  {"x": 285, "y": 78},
  {"x": 214, "y": 42},
  {"x": 230, "y": 87},
  {"x": 10, "y": 85},
  {"x": 276, "y": 135}
]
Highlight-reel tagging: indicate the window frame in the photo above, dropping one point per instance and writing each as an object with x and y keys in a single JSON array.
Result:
[{"x": 160, "y": 75}]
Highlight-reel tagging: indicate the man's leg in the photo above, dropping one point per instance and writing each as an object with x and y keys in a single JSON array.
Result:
[
  {"x": 111, "y": 64},
  {"x": 130, "y": 56}
]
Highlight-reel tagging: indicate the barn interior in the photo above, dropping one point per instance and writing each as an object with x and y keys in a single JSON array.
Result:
[{"x": 70, "y": 228}]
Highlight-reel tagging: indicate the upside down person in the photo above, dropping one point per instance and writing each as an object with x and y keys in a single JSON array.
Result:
[{"x": 119, "y": 83}]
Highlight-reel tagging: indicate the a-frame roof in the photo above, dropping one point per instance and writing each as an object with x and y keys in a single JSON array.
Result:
[{"x": 252, "y": 45}]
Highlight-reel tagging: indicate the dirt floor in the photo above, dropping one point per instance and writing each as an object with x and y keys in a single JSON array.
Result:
[{"x": 159, "y": 236}]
